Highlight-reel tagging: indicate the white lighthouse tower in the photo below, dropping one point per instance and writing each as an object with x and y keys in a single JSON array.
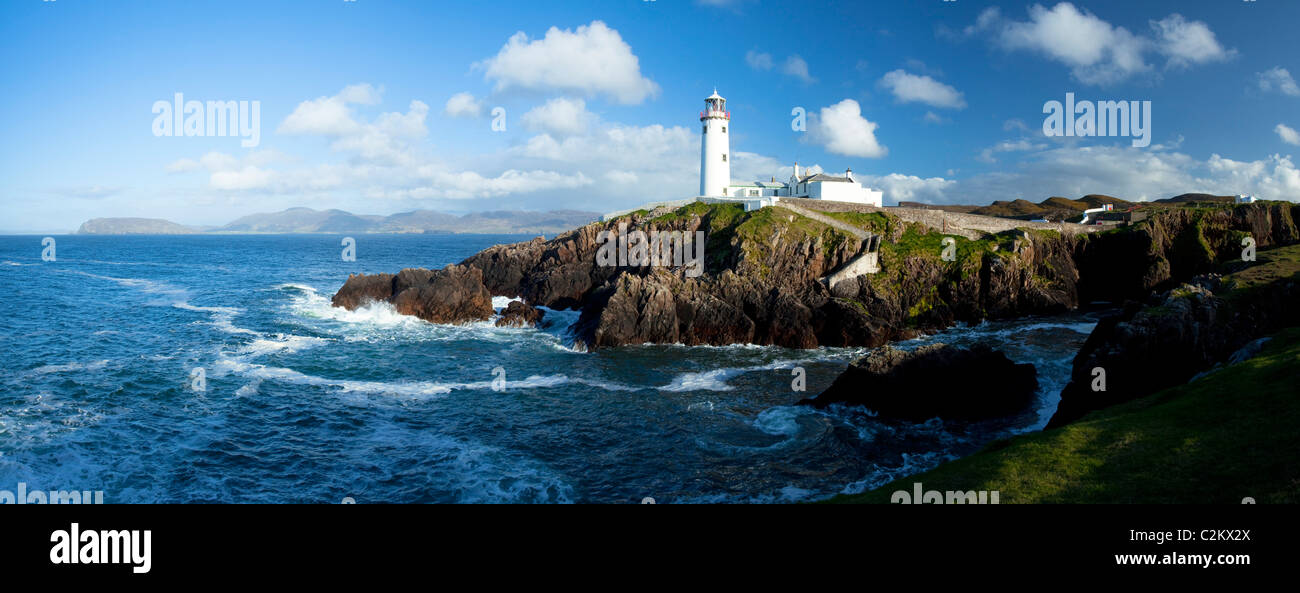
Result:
[{"x": 715, "y": 149}]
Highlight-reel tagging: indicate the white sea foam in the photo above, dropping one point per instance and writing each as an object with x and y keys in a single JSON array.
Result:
[
  {"x": 500, "y": 302},
  {"x": 222, "y": 317},
  {"x": 169, "y": 294},
  {"x": 309, "y": 303},
  {"x": 242, "y": 366},
  {"x": 174, "y": 296},
  {"x": 286, "y": 375},
  {"x": 716, "y": 379},
  {"x": 280, "y": 343},
  {"x": 781, "y": 420},
  {"x": 71, "y": 367},
  {"x": 911, "y": 464}
]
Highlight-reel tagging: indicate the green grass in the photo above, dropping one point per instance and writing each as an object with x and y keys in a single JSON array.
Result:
[
  {"x": 1221, "y": 438},
  {"x": 1271, "y": 265},
  {"x": 876, "y": 222},
  {"x": 918, "y": 241},
  {"x": 729, "y": 226}
]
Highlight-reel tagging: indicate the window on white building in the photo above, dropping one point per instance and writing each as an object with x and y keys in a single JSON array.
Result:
[{"x": 724, "y": 157}]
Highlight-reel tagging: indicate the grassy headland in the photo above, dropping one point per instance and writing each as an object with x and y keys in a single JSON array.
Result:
[{"x": 1217, "y": 439}]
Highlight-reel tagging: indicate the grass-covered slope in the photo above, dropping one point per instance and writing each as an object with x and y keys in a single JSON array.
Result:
[{"x": 1226, "y": 436}]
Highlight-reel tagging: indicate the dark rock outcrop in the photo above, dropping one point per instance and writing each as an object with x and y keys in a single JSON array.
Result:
[
  {"x": 454, "y": 294},
  {"x": 363, "y": 288},
  {"x": 1180, "y": 333},
  {"x": 518, "y": 314},
  {"x": 936, "y": 380}
]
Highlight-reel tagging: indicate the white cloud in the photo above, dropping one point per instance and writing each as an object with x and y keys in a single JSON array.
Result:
[
  {"x": 463, "y": 105},
  {"x": 841, "y": 129},
  {"x": 1096, "y": 51},
  {"x": 227, "y": 172},
  {"x": 387, "y": 139},
  {"x": 912, "y": 88},
  {"x": 1278, "y": 78},
  {"x": 1287, "y": 134},
  {"x": 796, "y": 66},
  {"x": 330, "y": 116},
  {"x": 92, "y": 192},
  {"x": 361, "y": 94},
  {"x": 469, "y": 184},
  {"x": 246, "y": 178},
  {"x": 183, "y": 166},
  {"x": 559, "y": 116},
  {"x": 934, "y": 118},
  {"x": 1273, "y": 179},
  {"x": 1188, "y": 42},
  {"x": 1121, "y": 171},
  {"x": 988, "y": 154},
  {"x": 988, "y": 19},
  {"x": 385, "y": 159},
  {"x": 593, "y": 60},
  {"x": 758, "y": 60},
  {"x": 904, "y": 188},
  {"x": 625, "y": 178},
  {"x": 1015, "y": 124},
  {"x": 793, "y": 66},
  {"x": 663, "y": 162}
]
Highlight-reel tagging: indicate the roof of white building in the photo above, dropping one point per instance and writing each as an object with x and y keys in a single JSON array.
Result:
[{"x": 824, "y": 177}]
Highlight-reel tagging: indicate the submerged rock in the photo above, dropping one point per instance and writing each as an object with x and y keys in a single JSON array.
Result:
[
  {"x": 519, "y": 314},
  {"x": 940, "y": 380}
]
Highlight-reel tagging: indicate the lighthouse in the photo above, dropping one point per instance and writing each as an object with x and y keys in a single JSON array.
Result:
[{"x": 715, "y": 151}]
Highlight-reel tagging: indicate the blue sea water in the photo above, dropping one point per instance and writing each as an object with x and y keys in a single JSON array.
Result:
[{"x": 307, "y": 403}]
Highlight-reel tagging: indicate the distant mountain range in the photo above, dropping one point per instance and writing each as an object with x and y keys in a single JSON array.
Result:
[{"x": 307, "y": 220}]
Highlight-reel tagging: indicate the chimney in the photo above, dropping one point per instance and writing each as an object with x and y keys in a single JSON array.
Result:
[
  {"x": 849, "y": 173},
  {"x": 796, "y": 169}
]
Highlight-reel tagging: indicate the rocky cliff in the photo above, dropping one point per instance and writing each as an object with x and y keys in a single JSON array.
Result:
[
  {"x": 762, "y": 279},
  {"x": 761, "y": 273},
  {"x": 1182, "y": 332}
]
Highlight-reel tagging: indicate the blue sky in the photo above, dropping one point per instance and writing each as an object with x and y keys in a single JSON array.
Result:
[{"x": 381, "y": 106}]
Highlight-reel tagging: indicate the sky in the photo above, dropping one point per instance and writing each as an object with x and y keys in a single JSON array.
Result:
[{"x": 380, "y": 106}]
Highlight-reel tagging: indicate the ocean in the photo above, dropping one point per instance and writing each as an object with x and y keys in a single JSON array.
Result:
[{"x": 299, "y": 402}]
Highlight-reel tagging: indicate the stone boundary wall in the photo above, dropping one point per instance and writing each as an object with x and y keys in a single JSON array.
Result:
[
  {"x": 971, "y": 226},
  {"x": 826, "y": 220}
]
